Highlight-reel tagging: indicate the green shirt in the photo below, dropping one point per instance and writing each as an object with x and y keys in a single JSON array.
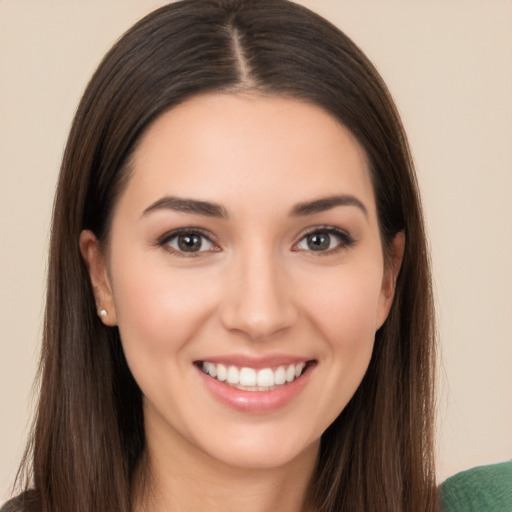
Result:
[{"x": 481, "y": 489}]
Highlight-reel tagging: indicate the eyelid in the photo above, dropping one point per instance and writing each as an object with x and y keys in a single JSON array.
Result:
[
  {"x": 347, "y": 240},
  {"x": 163, "y": 241}
]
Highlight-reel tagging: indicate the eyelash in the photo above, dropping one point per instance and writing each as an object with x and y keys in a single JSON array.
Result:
[
  {"x": 166, "y": 239},
  {"x": 345, "y": 241}
]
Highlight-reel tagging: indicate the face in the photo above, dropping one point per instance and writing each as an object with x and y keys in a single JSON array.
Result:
[{"x": 245, "y": 271}]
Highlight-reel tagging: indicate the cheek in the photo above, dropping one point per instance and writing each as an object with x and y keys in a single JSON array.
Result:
[
  {"x": 345, "y": 307},
  {"x": 341, "y": 309},
  {"x": 158, "y": 310}
]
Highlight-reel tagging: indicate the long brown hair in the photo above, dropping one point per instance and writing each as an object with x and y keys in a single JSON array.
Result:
[{"x": 89, "y": 434}]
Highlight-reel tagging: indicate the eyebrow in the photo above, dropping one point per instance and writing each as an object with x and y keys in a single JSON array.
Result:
[
  {"x": 327, "y": 203},
  {"x": 209, "y": 209},
  {"x": 179, "y": 204}
]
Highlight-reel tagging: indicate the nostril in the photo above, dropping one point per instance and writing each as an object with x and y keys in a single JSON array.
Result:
[{"x": 258, "y": 319}]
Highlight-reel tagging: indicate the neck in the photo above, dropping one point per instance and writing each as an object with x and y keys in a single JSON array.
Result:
[{"x": 178, "y": 477}]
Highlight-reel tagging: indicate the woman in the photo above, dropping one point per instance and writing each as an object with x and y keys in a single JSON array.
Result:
[{"x": 239, "y": 293}]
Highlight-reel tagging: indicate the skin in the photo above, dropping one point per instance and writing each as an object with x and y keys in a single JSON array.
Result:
[{"x": 256, "y": 288}]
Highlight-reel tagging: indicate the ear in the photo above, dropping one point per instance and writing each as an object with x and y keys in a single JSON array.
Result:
[
  {"x": 392, "y": 264},
  {"x": 94, "y": 258}
]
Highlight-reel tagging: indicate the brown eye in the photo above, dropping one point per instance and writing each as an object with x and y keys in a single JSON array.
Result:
[
  {"x": 324, "y": 240},
  {"x": 318, "y": 241},
  {"x": 189, "y": 242}
]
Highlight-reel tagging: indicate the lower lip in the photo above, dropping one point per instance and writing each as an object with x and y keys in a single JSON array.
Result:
[{"x": 255, "y": 401}]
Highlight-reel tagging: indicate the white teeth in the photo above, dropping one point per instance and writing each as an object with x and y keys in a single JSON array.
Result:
[
  {"x": 222, "y": 372},
  {"x": 233, "y": 375},
  {"x": 280, "y": 376},
  {"x": 265, "y": 377},
  {"x": 212, "y": 369},
  {"x": 252, "y": 379},
  {"x": 247, "y": 377}
]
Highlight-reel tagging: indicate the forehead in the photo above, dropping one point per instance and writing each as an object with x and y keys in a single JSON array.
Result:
[{"x": 227, "y": 146}]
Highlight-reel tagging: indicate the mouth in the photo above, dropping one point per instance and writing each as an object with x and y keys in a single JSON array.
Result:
[{"x": 246, "y": 378}]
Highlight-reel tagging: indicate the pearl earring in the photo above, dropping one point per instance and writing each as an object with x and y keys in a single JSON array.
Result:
[{"x": 103, "y": 313}]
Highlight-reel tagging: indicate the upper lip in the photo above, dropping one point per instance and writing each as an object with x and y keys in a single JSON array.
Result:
[{"x": 256, "y": 362}]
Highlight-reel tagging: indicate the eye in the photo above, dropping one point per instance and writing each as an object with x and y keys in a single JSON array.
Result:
[
  {"x": 324, "y": 240},
  {"x": 187, "y": 242}
]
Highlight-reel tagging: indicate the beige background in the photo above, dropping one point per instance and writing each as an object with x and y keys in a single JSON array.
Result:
[{"x": 448, "y": 64}]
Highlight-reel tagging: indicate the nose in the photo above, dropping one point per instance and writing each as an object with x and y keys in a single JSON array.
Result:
[{"x": 258, "y": 300}]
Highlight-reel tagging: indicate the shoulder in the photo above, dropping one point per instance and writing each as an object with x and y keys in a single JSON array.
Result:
[
  {"x": 481, "y": 489},
  {"x": 26, "y": 502}
]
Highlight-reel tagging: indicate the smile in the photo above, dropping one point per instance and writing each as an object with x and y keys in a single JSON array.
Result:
[{"x": 251, "y": 379}]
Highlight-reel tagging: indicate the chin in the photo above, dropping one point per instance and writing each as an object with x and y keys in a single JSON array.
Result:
[{"x": 261, "y": 451}]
